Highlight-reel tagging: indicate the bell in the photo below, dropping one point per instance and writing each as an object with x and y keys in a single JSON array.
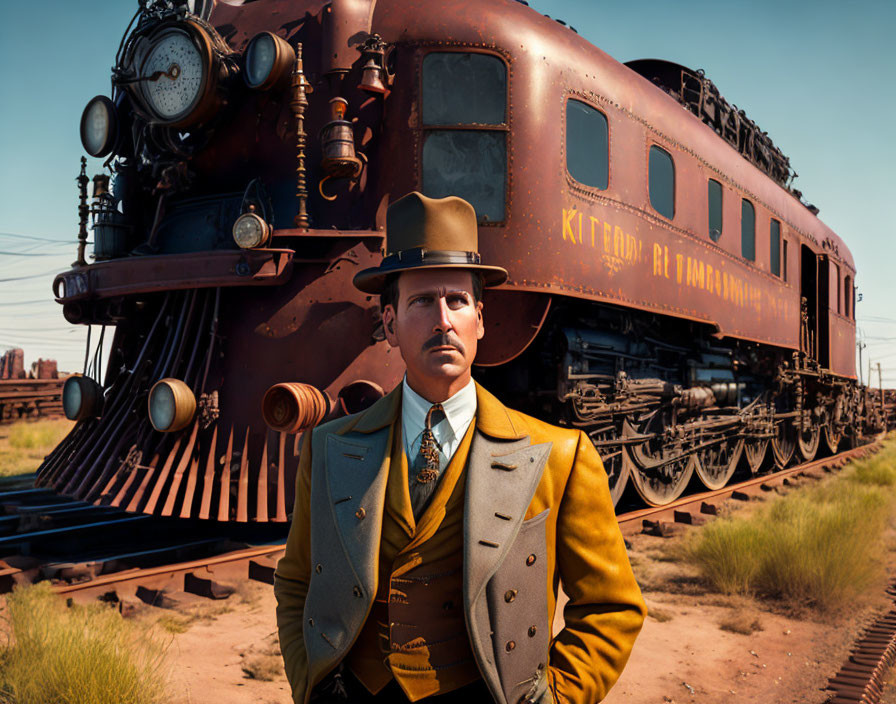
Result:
[
  {"x": 338, "y": 144},
  {"x": 372, "y": 77}
]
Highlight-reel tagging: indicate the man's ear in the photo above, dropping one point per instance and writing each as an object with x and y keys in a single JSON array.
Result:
[
  {"x": 480, "y": 326},
  {"x": 389, "y": 325}
]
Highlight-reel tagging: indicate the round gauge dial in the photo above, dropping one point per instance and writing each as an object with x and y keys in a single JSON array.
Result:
[{"x": 173, "y": 75}]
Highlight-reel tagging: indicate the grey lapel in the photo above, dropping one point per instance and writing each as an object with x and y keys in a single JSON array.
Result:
[
  {"x": 357, "y": 470},
  {"x": 501, "y": 479}
]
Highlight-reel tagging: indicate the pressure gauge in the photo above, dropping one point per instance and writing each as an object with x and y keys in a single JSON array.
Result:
[
  {"x": 173, "y": 75},
  {"x": 99, "y": 126},
  {"x": 269, "y": 60}
]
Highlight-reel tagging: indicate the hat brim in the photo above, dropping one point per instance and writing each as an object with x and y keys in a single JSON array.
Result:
[{"x": 374, "y": 279}]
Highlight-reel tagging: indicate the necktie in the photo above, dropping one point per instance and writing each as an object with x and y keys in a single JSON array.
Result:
[
  {"x": 425, "y": 466},
  {"x": 429, "y": 448}
]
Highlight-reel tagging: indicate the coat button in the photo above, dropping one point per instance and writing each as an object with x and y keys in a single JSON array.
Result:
[
  {"x": 532, "y": 631},
  {"x": 509, "y": 646},
  {"x": 356, "y": 590},
  {"x": 510, "y": 595},
  {"x": 360, "y": 513},
  {"x": 319, "y": 568},
  {"x": 530, "y": 560},
  {"x": 311, "y": 622}
]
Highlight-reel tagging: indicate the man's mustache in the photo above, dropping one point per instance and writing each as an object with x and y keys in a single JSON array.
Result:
[{"x": 445, "y": 339}]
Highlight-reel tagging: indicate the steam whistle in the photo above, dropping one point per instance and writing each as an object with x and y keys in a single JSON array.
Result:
[{"x": 340, "y": 159}]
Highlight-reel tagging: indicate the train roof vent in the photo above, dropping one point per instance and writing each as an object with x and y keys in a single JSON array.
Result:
[
  {"x": 568, "y": 26},
  {"x": 700, "y": 95}
]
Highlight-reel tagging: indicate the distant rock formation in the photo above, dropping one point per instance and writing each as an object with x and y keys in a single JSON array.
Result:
[{"x": 12, "y": 366}]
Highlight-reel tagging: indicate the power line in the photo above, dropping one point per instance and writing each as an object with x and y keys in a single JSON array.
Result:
[
  {"x": 30, "y": 276},
  {"x": 35, "y": 237}
]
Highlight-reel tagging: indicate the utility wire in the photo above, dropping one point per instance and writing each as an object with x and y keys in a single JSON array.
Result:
[{"x": 35, "y": 237}]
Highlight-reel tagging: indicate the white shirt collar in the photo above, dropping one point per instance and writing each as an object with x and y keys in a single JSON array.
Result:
[{"x": 460, "y": 409}]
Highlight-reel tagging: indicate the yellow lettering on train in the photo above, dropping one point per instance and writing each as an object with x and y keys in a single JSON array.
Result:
[
  {"x": 580, "y": 228},
  {"x": 700, "y": 275},
  {"x": 568, "y": 215},
  {"x": 594, "y": 221},
  {"x": 666, "y": 262},
  {"x": 618, "y": 241},
  {"x": 608, "y": 234},
  {"x": 678, "y": 265},
  {"x": 709, "y": 278},
  {"x": 657, "y": 260}
]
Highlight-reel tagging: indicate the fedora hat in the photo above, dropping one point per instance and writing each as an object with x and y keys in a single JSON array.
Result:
[{"x": 429, "y": 233}]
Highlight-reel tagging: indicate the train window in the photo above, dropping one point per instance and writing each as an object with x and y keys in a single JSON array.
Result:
[
  {"x": 587, "y": 144},
  {"x": 748, "y": 230},
  {"x": 461, "y": 88},
  {"x": 662, "y": 182},
  {"x": 467, "y": 93},
  {"x": 837, "y": 276},
  {"x": 847, "y": 296},
  {"x": 784, "y": 259},
  {"x": 774, "y": 247},
  {"x": 714, "y": 196},
  {"x": 469, "y": 164}
]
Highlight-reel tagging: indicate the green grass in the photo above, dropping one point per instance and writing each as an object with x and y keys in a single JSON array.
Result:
[
  {"x": 821, "y": 546},
  {"x": 24, "y": 444},
  {"x": 78, "y": 654}
]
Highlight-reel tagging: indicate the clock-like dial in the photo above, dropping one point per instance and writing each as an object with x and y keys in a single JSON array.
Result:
[{"x": 173, "y": 74}]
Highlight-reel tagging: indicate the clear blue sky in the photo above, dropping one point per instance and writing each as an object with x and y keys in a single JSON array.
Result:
[{"x": 818, "y": 77}]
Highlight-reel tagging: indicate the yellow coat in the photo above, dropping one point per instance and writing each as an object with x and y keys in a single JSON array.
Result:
[{"x": 526, "y": 481}]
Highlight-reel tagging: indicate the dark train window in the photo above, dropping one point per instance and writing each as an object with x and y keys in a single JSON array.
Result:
[
  {"x": 714, "y": 196},
  {"x": 774, "y": 246},
  {"x": 469, "y": 164},
  {"x": 837, "y": 276},
  {"x": 662, "y": 182},
  {"x": 587, "y": 144},
  {"x": 784, "y": 259},
  {"x": 748, "y": 230},
  {"x": 464, "y": 89},
  {"x": 847, "y": 296},
  {"x": 467, "y": 92}
]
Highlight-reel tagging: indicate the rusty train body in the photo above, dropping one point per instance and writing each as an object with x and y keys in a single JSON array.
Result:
[{"x": 668, "y": 292}]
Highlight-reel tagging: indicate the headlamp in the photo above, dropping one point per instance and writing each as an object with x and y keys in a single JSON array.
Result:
[
  {"x": 99, "y": 126},
  {"x": 82, "y": 397},
  {"x": 171, "y": 404},
  {"x": 269, "y": 60}
]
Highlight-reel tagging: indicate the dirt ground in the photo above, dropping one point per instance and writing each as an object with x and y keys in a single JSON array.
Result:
[{"x": 683, "y": 654}]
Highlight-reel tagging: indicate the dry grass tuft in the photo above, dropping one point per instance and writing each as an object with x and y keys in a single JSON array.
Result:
[
  {"x": 24, "y": 444},
  {"x": 660, "y": 615},
  {"x": 263, "y": 667},
  {"x": 821, "y": 546},
  {"x": 742, "y": 622},
  {"x": 78, "y": 654}
]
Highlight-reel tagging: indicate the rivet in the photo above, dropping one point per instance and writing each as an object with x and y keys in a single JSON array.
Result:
[
  {"x": 319, "y": 568},
  {"x": 510, "y": 595},
  {"x": 311, "y": 622},
  {"x": 360, "y": 513},
  {"x": 530, "y": 560},
  {"x": 510, "y": 646},
  {"x": 356, "y": 590},
  {"x": 532, "y": 631}
]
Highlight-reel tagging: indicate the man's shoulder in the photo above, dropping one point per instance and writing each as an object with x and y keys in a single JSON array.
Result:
[{"x": 537, "y": 429}]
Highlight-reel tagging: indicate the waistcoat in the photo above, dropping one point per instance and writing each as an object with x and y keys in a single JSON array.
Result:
[{"x": 416, "y": 631}]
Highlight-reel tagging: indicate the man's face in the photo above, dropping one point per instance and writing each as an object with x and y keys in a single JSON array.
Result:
[{"x": 436, "y": 325}]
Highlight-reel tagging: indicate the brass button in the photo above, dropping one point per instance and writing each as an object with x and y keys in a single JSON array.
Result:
[
  {"x": 510, "y": 595},
  {"x": 319, "y": 568},
  {"x": 356, "y": 590},
  {"x": 360, "y": 513},
  {"x": 510, "y": 646},
  {"x": 532, "y": 631},
  {"x": 530, "y": 560},
  {"x": 311, "y": 622}
]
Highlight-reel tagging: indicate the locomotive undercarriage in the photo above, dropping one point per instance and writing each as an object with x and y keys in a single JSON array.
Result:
[{"x": 667, "y": 404}]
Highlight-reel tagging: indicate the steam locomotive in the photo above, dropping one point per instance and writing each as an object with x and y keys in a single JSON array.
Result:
[{"x": 669, "y": 292}]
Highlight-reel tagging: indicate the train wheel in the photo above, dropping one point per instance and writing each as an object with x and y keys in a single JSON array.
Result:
[
  {"x": 832, "y": 439},
  {"x": 807, "y": 442},
  {"x": 661, "y": 470},
  {"x": 616, "y": 461},
  {"x": 755, "y": 451},
  {"x": 716, "y": 464},
  {"x": 784, "y": 443}
]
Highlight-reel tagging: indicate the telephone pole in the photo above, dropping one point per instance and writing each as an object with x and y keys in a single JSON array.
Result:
[{"x": 861, "y": 345}]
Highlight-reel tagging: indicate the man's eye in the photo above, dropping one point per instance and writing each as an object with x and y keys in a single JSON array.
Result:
[
  {"x": 457, "y": 301},
  {"x": 421, "y": 299}
]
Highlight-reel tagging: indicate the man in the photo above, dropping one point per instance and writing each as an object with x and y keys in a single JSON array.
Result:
[{"x": 431, "y": 530}]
